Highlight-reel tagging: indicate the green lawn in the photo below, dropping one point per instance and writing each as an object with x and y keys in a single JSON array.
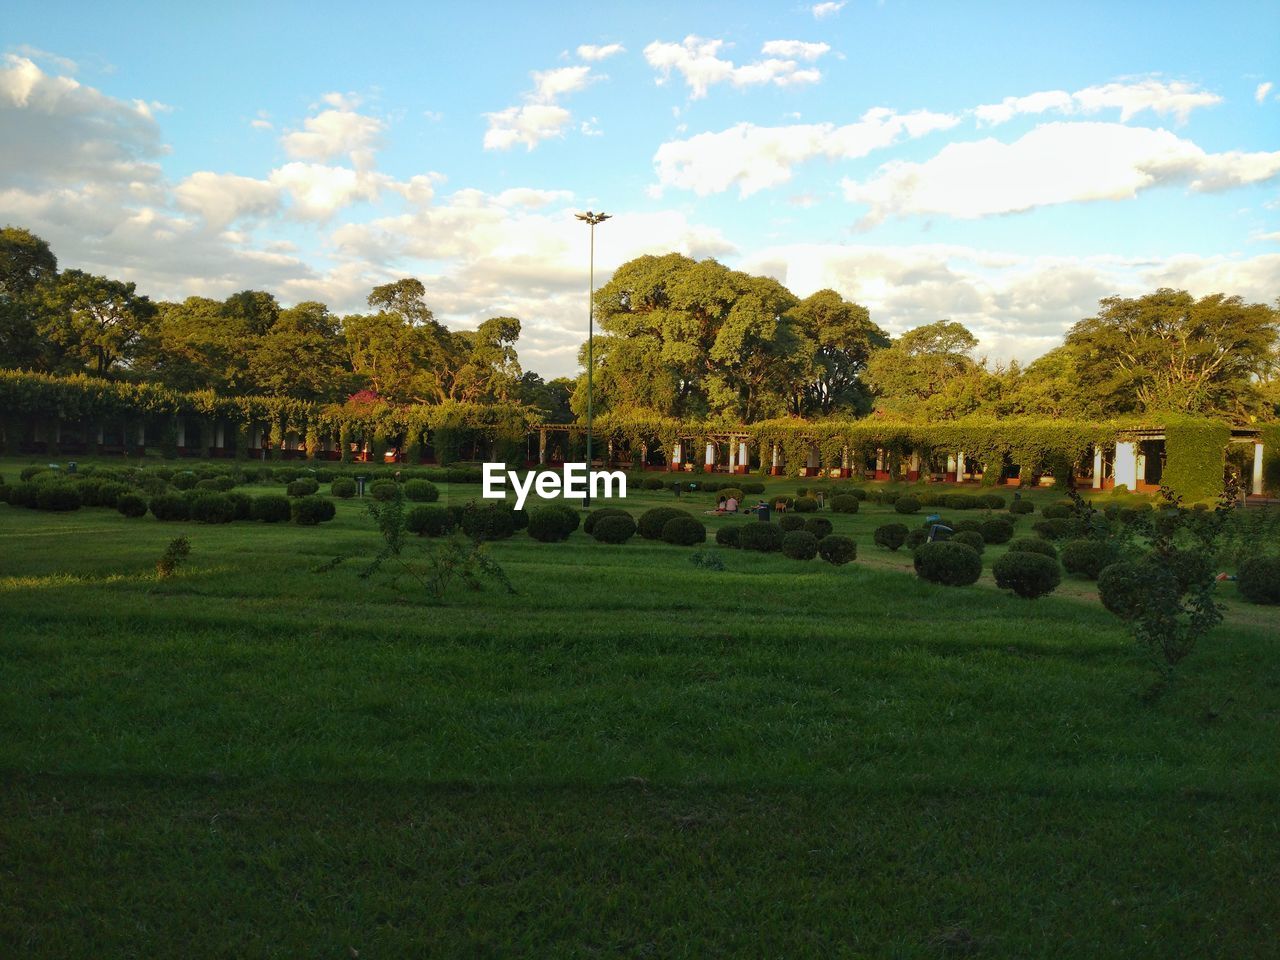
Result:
[{"x": 631, "y": 757}]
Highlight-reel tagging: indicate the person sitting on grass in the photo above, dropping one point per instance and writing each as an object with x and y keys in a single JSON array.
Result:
[{"x": 730, "y": 505}]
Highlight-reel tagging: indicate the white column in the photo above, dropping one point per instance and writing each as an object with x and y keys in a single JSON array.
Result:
[
  {"x": 675, "y": 455},
  {"x": 813, "y": 463},
  {"x": 142, "y": 434},
  {"x": 1126, "y": 465},
  {"x": 844, "y": 461},
  {"x": 879, "y": 460},
  {"x": 951, "y": 463},
  {"x": 1256, "y": 487},
  {"x": 733, "y": 457},
  {"x": 182, "y": 433},
  {"x": 960, "y": 465},
  {"x": 774, "y": 463},
  {"x": 711, "y": 457},
  {"x": 1097, "y": 467},
  {"x": 913, "y": 464},
  {"x": 220, "y": 438},
  {"x": 744, "y": 459}
]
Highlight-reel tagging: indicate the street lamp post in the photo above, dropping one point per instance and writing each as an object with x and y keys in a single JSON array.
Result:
[{"x": 591, "y": 219}]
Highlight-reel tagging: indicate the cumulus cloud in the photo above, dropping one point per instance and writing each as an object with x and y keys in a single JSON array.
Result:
[
  {"x": 752, "y": 158},
  {"x": 1260, "y": 94},
  {"x": 592, "y": 52},
  {"x": 830, "y": 8},
  {"x": 1054, "y": 163},
  {"x": 337, "y": 131},
  {"x": 223, "y": 198},
  {"x": 697, "y": 60},
  {"x": 1130, "y": 97},
  {"x": 540, "y": 117}
]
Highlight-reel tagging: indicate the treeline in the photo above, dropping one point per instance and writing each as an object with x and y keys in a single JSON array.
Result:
[
  {"x": 65, "y": 322},
  {"x": 679, "y": 338}
]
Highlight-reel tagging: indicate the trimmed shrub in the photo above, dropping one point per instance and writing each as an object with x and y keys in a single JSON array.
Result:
[
  {"x": 131, "y": 505},
  {"x": 1034, "y": 545},
  {"x": 845, "y": 503},
  {"x": 324, "y": 475},
  {"x": 242, "y": 503},
  {"x": 819, "y": 526},
  {"x": 800, "y": 545},
  {"x": 891, "y": 536},
  {"x": 212, "y": 507},
  {"x": 1123, "y": 586},
  {"x": 616, "y": 528},
  {"x": 788, "y": 502},
  {"x": 805, "y": 505},
  {"x": 728, "y": 536},
  {"x": 968, "y": 524},
  {"x": 343, "y": 487},
  {"x": 521, "y": 519},
  {"x": 972, "y": 539},
  {"x": 916, "y": 537},
  {"x": 1058, "y": 528},
  {"x": 684, "y": 531},
  {"x": 753, "y": 486},
  {"x": 837, "y": 550},
  {"x": 170, "y": 507},
  {"x": 906, "y": 505},
  {"x": 961, "y": 501},
  {"x": 765, "y": 537},
  {"x": 488, "y": 521},
  {"x": 1029, "y": 575},
  {"x": 302, "y": 487},
  {"x": 27, "y": 473},
  {"x": 384, "y": 490},
  {"x": 422, "y": 491},
  {"x": 652, "y": 521},
  {"x": 1088, "y": 558},
  {"x": 428, "y": 521},
  {"x": 185, "y": 480},
  {"x": 950, "y": 564},
  {"x": 789, "y": 522},
  {"x": 1259, "y": 579},
  {"x": 1022, "y": 507},
  {"x": 285, "y": 474},
  {"x": 992, "y": 501},
  {"x": 734, "y": 492},
  {"x": 649, "y": 483},
  {"x": 552, "y": 522},
  {"x": 1056, "y": 511},
  {"x": 22, "y": 495},
  {"x": 595, "y": 516},
  {"x": 271, "y": 508},
  {"x": 309, "y": 511},
  {"x": 996, "y": 530}
]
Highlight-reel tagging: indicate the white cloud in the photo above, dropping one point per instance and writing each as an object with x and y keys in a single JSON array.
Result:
[
  {"x": 549, "y": 85},
  {"x": 1054, "y": 163},
  {"x": 223, "y": 198},
  {"x": 338, "y": 131},
  {"x": 830, "y": 8},
  {"x": 1260, "y": 94},
  {"x": 540, "y": 117},
  {"x": 592, "y": 52},
  {"x": 753, "y": 158},
  {"x": 1130, "y": 97},
  {"x": 696, "y": 60},
  {"x": 794, "y": 49},
  {"x": 318, "y": 191}
]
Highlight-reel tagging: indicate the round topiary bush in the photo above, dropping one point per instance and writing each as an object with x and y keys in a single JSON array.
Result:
[
  {"x": 970, "y": 538},
  {"x": 618, "y": 528},
  {"x": 1034, "y": 545},
  {"x": 948, "y": 563},
  {"x": 324, "y": 475},
  {"x": 131, "y": 505},
  {"x": 285, "y": 474},
  {"x": 343, "y": 487},
  {"x": 302, "y": 487},
  {"x": 488, "y": 521},
  {"x": 242, "y": 503},
  {"x": 819, "y": 526},
  {"x": 800, "y": 545},
  {"x": 186, "y": 480},
  {"x": 906, "y": 505},
  {"x": 753, "y": 486},
  {"x": 1088, "y": 558},
  {"x": 309, "y": 511},
  {"x": 170, "y": 507},
  {"x": 837, "y": 550},
  {"x": 212, "y": 508},
  {"x": 731, "y": 492},
  {"x": 1259, "y": 579},
  {"x": 765, "y": 537},
  {"x": 845, "y": 503},
  {"x": 728, "y": 536},
  {"x": 650, "y": 483},
  {"x": 428, "y": 521},
  {"x": 421, "y": 491},
  {"x": 992, "y": 501},
  {"x": 552, "y": 522},
  {"x": 57, "y": 497},
  {"x": 595, "y": 516},
  {"x": 384, "y": 490},
  {"x": 1058, "y": 528},
  {"x": 917, "y": 537},
  {"x": 652, "y": 521},
  {"x": 806, "y": 505},
  {"x": 1056, "y": 511},
  {"x": 270, "y": 508},
  {"x": 961, "y": 501},
  {"x": 1029, "y": 575},
  {"x": 1124, "y": 586},
  {"x": 789, "y": 522},
  {"x": 891, "y": 536},
  {"x": 996, "y": 530},
  {"x": 1022, "y": 507},
  {"x": 684, "y": 531}
]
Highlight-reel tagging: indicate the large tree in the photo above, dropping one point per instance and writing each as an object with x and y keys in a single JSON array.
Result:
[
  {"x": 1168, "y": 351},
  {"x": 302, "y": 355},
  {"x": 25, "y": 262},
  {"x": 843, "y": 338},
  {"x": 97, "y": 323},
  {"x": 930, "y": 372}
]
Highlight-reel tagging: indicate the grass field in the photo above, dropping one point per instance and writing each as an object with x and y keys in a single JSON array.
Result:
[{"x": 630, "y": 757}]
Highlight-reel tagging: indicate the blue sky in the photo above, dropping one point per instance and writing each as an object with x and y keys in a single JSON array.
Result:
[{"x": 1004, "y": 165}]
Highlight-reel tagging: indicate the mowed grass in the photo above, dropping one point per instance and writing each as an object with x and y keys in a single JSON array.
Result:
[{"x": 630, "y": 757}]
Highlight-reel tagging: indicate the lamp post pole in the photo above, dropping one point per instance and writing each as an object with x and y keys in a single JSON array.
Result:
[{"x": 591, "y": 219}]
